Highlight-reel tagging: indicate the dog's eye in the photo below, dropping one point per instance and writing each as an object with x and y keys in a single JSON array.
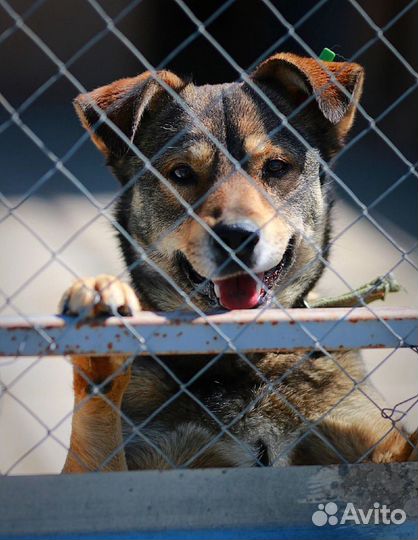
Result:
[
  {"x": 275, "y": 168},
  {"x": 182, "y": 174}
]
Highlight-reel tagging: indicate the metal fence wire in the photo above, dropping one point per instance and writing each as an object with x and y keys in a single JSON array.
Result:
[{"x": 54, "y": 337}]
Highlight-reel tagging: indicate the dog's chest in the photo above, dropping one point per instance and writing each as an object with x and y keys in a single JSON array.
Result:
[{"x": 255, "y": 395}]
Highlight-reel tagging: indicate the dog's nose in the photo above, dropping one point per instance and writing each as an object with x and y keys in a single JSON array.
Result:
[{"x": 241, "y": 237}]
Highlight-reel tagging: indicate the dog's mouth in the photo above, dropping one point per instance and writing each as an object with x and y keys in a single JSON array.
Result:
[{"x": 240, "y": 291}]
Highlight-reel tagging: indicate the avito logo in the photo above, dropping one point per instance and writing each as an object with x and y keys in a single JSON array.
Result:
[{"x": 378, "y": 515}]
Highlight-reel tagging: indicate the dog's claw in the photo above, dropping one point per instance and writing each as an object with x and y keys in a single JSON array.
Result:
[
  {"x": 103, "y": 295},
  {"x": 125, "y": 311}
]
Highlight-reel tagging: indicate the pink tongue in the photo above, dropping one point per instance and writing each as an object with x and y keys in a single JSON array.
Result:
[{"x": 239, "y": 292}]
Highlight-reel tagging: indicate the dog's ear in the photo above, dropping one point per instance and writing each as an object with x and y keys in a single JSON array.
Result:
[
  {"x": 302, "y": 77},
  {"x": 124, "y": 102}
]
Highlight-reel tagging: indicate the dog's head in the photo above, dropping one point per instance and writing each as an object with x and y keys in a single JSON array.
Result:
[{"x": 231, "y": 203}]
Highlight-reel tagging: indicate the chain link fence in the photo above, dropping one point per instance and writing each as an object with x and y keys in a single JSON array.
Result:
[{"x": 223, "y": 425}]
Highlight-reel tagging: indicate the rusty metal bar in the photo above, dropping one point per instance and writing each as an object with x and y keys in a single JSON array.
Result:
[{"x": 184, "y": 333}]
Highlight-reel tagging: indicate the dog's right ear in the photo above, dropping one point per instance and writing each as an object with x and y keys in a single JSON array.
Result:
[
  {"x": 124, "y": 103},
  {"x": 304, "y": 77}
]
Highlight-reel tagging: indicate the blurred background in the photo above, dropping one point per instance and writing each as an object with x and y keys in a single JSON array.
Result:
[{"x": 55, "y": 231}]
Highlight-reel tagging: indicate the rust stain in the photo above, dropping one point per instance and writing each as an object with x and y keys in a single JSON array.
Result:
[{"x": 13, "y": 328}]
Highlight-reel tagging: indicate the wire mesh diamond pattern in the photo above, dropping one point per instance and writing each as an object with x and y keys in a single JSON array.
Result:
[{"x": 164, "y": 432}]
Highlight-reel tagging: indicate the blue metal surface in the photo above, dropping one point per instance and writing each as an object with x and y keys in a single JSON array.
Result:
[
  {"x": 246, "y": 330},
  {"x": 255, "y": 503},
  {"x": 406, "y": 531}
]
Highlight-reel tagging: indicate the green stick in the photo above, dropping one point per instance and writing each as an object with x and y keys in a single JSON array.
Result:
[{"x": 374, "y": 290}]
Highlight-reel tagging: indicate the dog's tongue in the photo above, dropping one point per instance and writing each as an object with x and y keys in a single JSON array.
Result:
[{"x": 239, "y": 292}]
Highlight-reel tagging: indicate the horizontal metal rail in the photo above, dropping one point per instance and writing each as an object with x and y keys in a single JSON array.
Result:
[
  {"x": 184, "y": 333},
  {"x": 268, "y": 503}
]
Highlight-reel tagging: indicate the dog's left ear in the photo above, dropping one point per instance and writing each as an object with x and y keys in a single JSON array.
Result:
[
  {"x": 124, "y": 102},
  {"x": 302, "y": 77}
]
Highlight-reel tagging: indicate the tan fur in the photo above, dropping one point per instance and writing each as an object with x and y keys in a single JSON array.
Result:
[
  {"x": 279, "y": 408},
  {"x": 194, "y": 446},
  {"x": 255, "y": 144},
  {"x": 201, "y": 154},
  {"x": 97, "y": 294},
  {"x": 379, "y": 442},
  {"x": 104, "y": 97},
  {"x": 96, "y": 424},
  {"x": 316, "y": 78},
  {"x": 235, "y": 199},
  {"x": 97, "y": 430}
]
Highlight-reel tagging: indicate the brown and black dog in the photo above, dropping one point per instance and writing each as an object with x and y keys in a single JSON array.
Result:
[{"x": 274, "y": 215}]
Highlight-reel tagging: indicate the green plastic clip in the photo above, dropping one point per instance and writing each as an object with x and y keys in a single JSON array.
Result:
[{"x": 327, "y": 55}]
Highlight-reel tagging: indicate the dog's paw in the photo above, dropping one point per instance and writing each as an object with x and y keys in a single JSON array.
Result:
[{"x": 100, "y": 295}]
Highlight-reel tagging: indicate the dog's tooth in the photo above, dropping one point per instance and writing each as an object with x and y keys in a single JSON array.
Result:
[
  {"x": 217, "y": 290},
  {"x": 260, "y": 282}
]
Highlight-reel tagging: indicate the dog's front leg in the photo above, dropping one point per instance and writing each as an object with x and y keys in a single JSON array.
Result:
[{"x": 99, "y": 382}]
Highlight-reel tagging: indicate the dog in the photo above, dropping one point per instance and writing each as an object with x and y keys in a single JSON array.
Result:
[{"x": 225, "y": 237}]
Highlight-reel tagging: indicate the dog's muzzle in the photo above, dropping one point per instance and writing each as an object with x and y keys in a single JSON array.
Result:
[{"x": 235, "y": 285}]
